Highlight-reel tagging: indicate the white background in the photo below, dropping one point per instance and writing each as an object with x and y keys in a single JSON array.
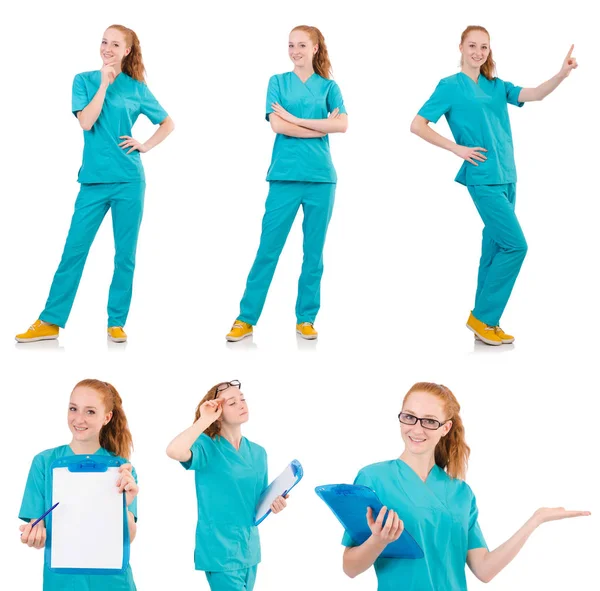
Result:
[{"x": 401, "y": 262}]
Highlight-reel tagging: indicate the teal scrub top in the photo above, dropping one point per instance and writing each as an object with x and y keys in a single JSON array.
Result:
[
  {"x": 303, "y": 159},
  {"x": 37, "y": 499},
  {"x": 440, "y": 513},
  {"x": 103, "y": 160},
  {"x": 229, "y": 483},
  {"x": 477, "y": 114}
]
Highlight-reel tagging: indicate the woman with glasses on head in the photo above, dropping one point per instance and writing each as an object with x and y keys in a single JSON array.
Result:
[
  {"x": 424, "y": 491},
  {"x": 474, "y": 102},
  {"x": 303, "y": 107},
  {"x": 231, "y": 474}
]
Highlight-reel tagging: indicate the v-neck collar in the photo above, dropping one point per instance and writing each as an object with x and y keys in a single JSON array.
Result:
[
  {"x": 471, "y": 79},
  {"x": 72, "y": 452},
  {"x": 303, "y": 82},
  {"x": 430, "y": 476},
  {"x": 231, "y": 446}
]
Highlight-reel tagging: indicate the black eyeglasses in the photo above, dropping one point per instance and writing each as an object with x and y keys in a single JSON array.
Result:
[
  {"x": 431, "y": 424},
  {"x": 224, "y": 385}
]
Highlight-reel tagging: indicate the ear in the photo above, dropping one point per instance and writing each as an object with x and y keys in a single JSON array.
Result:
[
  {"x": 447, "y": 427},
  {"x": 108, "y": 418},
  {"x": 127, "y": 51},
  {"x": 316, "y": 48}
]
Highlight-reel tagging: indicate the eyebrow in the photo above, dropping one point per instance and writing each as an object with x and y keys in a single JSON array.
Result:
[
  {"x": 73, "y": 404},
  {"x": 410, "y": 412}
]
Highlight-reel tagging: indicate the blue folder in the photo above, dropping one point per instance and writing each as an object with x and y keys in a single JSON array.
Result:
[
  {"x": 349, "y": 503},
  {"x": 83, "y": 464}
]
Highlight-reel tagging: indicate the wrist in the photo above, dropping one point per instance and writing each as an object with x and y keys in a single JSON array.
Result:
[
  {"x": 535, "y": 521},
  {"x": 377, "y": 543}
]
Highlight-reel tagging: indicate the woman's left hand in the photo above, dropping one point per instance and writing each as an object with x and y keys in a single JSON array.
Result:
[
  {"x": 127, "y": 484},
  {"x": 546, "y": 514},
  {"x": 279, "y": 504},
  {"x": 569, "y": 64},
  {"x": 132, "y": 143},
  {"x": 279, "y": 110}
]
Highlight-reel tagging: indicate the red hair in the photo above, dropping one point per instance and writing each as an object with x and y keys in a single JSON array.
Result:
[
  {"x": 321, "y": 63},
  {"x": 115, "y": 436},
  {"x": 133, "y": 64},
  {"x": 452, "y": 452},
  {"x": 488, "y": 69}
]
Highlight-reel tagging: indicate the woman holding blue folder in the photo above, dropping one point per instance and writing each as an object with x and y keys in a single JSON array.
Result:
[
  {"x": 107, "y": 103},
  {"x": 303, "y": 107},
  {"x": 99, "y": 427},
  {"x": 474, "y": 102},
  {"x": 424, "y": 491},
  {"x": 230, "y": 474}
]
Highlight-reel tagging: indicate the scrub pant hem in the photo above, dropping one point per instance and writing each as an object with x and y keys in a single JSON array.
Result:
[{"x": 49, "y": 320}]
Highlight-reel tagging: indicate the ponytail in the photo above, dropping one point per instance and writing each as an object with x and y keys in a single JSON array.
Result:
[
  {"x": 215, "y": 428},
  {"x": 452, "y": 452},
  {"x": 488, "y": 69},
  {"x": 321, "y": 63},
  {"x": 115, "y": 436},
  {"x": 132, "y": 64}
]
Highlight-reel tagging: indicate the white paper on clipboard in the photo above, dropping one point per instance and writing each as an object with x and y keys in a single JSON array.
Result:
[
  {"x": 281, "y": 485},
  {"x": 87, "y": 525}
]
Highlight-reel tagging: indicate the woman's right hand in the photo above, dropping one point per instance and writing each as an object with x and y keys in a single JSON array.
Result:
[
  {"x": 470, "y": 154},
  {"x": 33, "y": 537},
  {"x": 391, "y": 531},
  {"x": 211, "y": 410},
  {"x": 108, "y": 75}
]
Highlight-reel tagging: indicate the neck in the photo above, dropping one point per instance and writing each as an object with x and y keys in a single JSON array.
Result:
[
  {"x": 472, "y": 73},
  {"x": 421, "y": 464},
  {"x": 233, "y": 434},
  {"x": 304, "y": 73},
  {"x": 85, "y": 447}
]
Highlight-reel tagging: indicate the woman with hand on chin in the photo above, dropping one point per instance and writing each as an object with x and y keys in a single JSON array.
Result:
[
  {"x": 425, "y": 492},
  {"x": 303, "y": 107},
  {"x": 107, "y": 103},
  {"x": 98, "y": 427},
  {"x": 230, "y": 474},
  {"x": 474, "y": 102}
]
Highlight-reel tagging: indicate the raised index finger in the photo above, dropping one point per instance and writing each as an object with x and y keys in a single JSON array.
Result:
[{"x": 570, "y": 51}]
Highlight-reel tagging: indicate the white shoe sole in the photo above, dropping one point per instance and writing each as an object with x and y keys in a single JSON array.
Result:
[
  {"x": 115, "y": 340},
  {"x": 35, "y": 339},
  {"x": 484, "y": 340},
  {"x": 504, "y": 341},
  {"x": 236, "y": 339},
  {"x": 311, "y": 337}
]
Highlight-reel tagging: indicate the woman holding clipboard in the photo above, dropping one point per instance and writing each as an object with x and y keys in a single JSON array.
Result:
[
  {"x": 424, "y": 490},
  {"x": 99, "y": 427},
  {"x": 231, "y": 474}
]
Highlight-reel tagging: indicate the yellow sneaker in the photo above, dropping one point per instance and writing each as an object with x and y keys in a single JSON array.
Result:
[
  {"x": 240, "y": 330},
  {"x": 307, "y": 331},
  {"x": 38, "y": 331},
  {"x": 116, "y": 334},
  {"x": 507, "y": 339},
  {"x": 483, "y": 332}
]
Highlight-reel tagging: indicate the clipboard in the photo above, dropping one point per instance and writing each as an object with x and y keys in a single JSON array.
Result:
[
  {"x": 88, "y": 532},
  {"x": 281, "y": 486},
  {"x": 349, "y": 503}
]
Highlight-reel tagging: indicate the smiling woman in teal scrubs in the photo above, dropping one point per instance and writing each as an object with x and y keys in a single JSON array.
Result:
[
  {"x": 474, "y": 102},
  {"x": 303, "y": 107},
  {"x": 98, "y": 426},
  {"x": 107, "y": 103},
  {"x": 424, "y": 491},
  {"x": 230, "y": 474}
]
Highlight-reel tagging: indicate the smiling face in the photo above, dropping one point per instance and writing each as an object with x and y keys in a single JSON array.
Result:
[
  {"x": 301, "y": 49},
  {"x": 417, "y": 439},
  {"x": 235, "y": 409},
  {"x": 113, "y": 47},
  {"x": 87, "y": 415},
  {"x": 475, "y": 49}
]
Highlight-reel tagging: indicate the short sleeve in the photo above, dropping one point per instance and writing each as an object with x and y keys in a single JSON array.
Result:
[
  {"x": 151, "y": 107},
  {"x": 335, "y": 100},
  {"x": 79, "y": 97},
  {"x": 363, "y": 480},
  {"x": 273, "y": 95},
  {"x": 512, "y": 94},
  {"x": 476, "y": 539},
  {"x": 439, "y": 103},
  {"x": 199, "y": 457},
  {"x": 133, "y": 506},
  {"x": 34, "y": 497}
]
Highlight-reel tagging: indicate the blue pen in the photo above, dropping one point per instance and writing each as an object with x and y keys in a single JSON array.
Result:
[{"x": 44, "y": 515}]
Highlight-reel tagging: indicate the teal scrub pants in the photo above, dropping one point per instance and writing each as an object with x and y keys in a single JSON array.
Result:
[
  {"x": 126, "y": 202},
  {"x": 233, "y": 580},
  {"x": 283, "y": 202},
  {"x": 503, "y": 250}
]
